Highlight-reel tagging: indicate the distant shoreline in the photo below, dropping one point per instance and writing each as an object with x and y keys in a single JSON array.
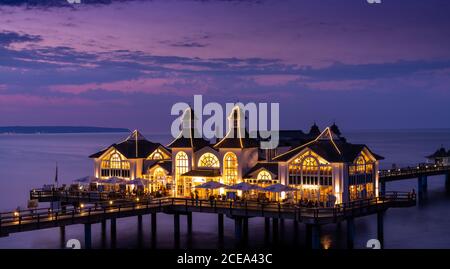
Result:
[{"x": 59, "y": 130}]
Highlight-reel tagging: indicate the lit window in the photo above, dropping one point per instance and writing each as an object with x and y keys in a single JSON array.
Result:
[
  {"x": 230, "y": 166},
  {"x": 264, "y": 176},
  {"x": 181, "y": 167},
  {"x": 208, "y": 160},
  {"x": 307, "y": 170},
  {"x": 115, "y": 166}
]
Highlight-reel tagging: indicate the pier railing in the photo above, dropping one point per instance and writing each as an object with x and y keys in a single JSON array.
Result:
[
  {"x": 411, "y": 172},
  {"x": 34, "y": 218}
]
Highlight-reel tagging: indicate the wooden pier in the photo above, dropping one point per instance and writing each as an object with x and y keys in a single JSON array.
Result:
[
  {"x": 313, "y": 218},
  {"x": 421, "y": 172}
]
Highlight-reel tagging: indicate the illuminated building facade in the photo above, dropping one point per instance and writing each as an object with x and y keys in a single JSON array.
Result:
[{"x": 321, "y": 165}]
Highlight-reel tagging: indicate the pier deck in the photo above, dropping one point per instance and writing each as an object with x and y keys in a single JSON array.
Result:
[
  {"x": 29, "y": 220},
  {"x": 413, "y": 172}
]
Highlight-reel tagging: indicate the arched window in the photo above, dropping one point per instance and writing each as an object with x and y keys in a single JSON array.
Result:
[
  {"x": 157, "y": 155},
  {"x": 361, "y": 171},
  {"x": 181, "y": 163},
  {"x": 264, "y": 176},
  {"x": 159, "y": 174},
  {"x": 115, "y": 166},
  {"x": 307, "y": 170},
  {"x": 181, "y": 167},
  {"x": 208, "y": 160},
  {"x": 230, "y": 168},
  {"x": 310, "y": 169},
  {"x": 360, "y": 165}
]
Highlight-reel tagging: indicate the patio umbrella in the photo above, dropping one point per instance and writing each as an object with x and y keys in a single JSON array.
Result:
[
  {"x": 211, "y": 185},
  {"x": 114, "y": 180},
  {"x": 86, "y": 180},
  {"x": 244, "y": 186},
  {"x": 138, "y": 182},
  {"x": 279, "y": 188}
]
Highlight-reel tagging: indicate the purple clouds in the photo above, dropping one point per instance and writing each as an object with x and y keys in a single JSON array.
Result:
[{"x": 321, "y": 60}]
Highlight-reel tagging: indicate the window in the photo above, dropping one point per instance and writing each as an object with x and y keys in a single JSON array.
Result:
[
  {"x": 156, "y": 155},
  {"x": 264, "y": 175},
  {"x": 361, "y": 171},
  {"x": 159, "y": 174},
  {"x": 181, "y": 167},
  {"x": 230, "y": 168},
  {"x": 115, "y": 166},
  {"x": 307, "y": 170},
  {"x": 208, "y": 160}
]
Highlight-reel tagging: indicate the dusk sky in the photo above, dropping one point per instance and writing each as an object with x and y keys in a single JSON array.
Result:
[{"x": 124, "y": 63}]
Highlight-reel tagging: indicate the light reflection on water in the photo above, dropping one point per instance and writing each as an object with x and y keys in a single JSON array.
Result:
[{"x": 28, "y": 161}]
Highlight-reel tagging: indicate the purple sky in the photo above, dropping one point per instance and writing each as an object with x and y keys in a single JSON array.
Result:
[{"x": 124, "y": 63}]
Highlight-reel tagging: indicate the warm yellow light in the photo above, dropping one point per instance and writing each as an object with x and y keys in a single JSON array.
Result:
[
  {"x": 110, "y": 202},
  {"x": 16, "y": 214},
  {"x": 137, "y": 199},
  {"x": 81, "y": 205}
]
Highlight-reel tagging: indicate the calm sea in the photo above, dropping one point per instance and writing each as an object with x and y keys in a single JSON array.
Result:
[{"x": 28, "y": 161}]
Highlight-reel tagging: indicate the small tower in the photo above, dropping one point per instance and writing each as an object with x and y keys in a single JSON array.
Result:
[{"x": 314, "y": 130}]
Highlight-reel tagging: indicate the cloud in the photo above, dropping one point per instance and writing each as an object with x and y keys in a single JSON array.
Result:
[{"x": 7, "y": 38}]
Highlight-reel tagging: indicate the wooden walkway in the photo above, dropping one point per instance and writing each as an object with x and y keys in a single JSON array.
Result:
[
  {"x": 29, "y": 220},
  {"x": 413, "y": 172}
]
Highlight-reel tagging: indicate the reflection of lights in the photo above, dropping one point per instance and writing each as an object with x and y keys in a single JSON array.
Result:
[{"x": 326, "y": 242}]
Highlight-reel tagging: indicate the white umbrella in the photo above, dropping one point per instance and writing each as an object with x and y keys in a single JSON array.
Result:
[
  {"x": 138, "y": 182},
  {"x": 86, "y": 180},
  {"x": 279, "y": 188},
  {"x": 115, "y": 180},
  {"x": 211, "y": 185},
  {"x": 244, "y": 186}
]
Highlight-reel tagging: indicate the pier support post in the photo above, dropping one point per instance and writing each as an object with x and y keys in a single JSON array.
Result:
[
  {"x": 245, "y": 229},
  {"x": 139, "y": 223},
  {"x": 189, "y": 222},
  {"x": 382, "y": 187},
  {"x": 350, "y": 233},
  {"x": 220, "y": 225},
  {"x": 267, "y": 230},
  {"x": 113, "y": 232},
  {"x": 275, "y": 229},
  {"x": 295, "y": 223},
  {"x": 62, "y": 236},
  {"x": 282, "y": 228},
  {"x": 380, "y": 228},
  {"x": 238, "y": 229},
  {"x": 153, "y": 224},
  {"x": 176, "y": 229},
  {"x": 447, "y": 182},
  {"x": 103, "y": 233},
  {"x": 422, "y": 187},
  {"x": 87, "y": 236}
]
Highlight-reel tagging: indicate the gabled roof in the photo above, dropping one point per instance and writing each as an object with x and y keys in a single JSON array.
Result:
[
  {"x": 236, "y": 136},
  {"x": 272, "y": 167},
  {"x": 440, "y": 153},
  {"x": 134, "y": 146},
  {"x": 329, "y": 148},
  {"x": 165, "y": 164},
  {"x": 189, "y": 137}
]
